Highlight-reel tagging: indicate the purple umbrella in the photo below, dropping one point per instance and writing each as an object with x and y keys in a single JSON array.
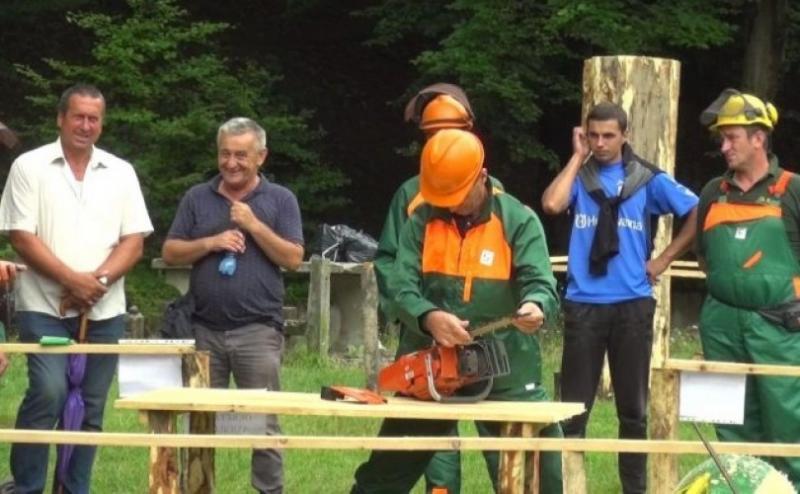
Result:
[{"x": 72, "y": 415}]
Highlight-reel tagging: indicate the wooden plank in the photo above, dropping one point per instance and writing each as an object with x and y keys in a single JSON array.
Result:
[
  {"x": 290, "y": 403},
  {"x": 102, "y": 348},
  {"x": 732, "y": 368},
  {"x": 674, "y": 273},
  {"x": 394, "y": 443},
  {"x": 164, "y": 474},
  {"x": 305, "y": 267},
  {"x": 664, "y": 425}
]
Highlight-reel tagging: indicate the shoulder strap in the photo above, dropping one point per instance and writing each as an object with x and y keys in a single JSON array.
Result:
[{"x": 779, "y": 187}]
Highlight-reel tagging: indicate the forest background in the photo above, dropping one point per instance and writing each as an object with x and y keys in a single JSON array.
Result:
[{"x": 329, "y": 79}]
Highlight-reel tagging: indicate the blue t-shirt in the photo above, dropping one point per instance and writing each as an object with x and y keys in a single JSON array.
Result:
[{"x": 626, "y": 278}]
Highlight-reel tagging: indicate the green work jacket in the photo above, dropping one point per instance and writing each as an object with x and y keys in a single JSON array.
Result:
[
  {"x": 500, "y": 262},
  {"x": 405, "y": 200}
]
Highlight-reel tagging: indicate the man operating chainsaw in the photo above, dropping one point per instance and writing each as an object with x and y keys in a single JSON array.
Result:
[
  {"x": 469, "y": 255},
  {"x": 435, "y": 107}
]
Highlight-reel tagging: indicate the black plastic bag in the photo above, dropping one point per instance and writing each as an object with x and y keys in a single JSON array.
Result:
[
  {"x": 177, "y": 321},
  {"x": 344, "y": 244}
]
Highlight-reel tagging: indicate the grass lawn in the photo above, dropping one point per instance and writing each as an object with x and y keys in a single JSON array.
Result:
[{"x": 125, "y": 470}]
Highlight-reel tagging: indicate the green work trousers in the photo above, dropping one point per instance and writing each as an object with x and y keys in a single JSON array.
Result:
[
  {"x": 772, "y": 404},
  {"x": 396, "y": 472},
  {"x": 444, "y": 470}
]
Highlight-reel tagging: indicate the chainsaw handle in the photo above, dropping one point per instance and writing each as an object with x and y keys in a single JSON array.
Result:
[{"x": 453, "y": 399}]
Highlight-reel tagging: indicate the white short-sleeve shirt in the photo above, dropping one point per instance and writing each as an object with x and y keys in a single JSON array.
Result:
[{"x": 80, "y": 222}]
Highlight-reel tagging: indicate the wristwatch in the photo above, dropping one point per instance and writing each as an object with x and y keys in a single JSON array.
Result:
[{"x": 103, "y": 280}]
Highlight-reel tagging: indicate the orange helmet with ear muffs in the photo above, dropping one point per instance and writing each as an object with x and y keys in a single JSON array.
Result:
[{"x": 450, "y": 163}]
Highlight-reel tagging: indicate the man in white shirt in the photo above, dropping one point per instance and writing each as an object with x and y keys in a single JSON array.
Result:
[{"x": 75, "y": 214}]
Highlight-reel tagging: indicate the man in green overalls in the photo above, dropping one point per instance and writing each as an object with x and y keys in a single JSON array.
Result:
[
  {"x": 468, "y": 255},
  {"x": 748, "y": 240},
  {"x": 434, "y": 108}
]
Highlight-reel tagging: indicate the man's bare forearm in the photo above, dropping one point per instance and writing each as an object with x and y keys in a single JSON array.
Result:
[
  {"x": 37, "y": 255},
  {"x": 183, "y": 252}
]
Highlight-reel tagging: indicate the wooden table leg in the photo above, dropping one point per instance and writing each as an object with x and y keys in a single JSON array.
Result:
[
  {"x": 574, "y": 472},
  {"x": 511, "y": 473},
  {"x": 164, "y": 475},
  {"x": 533, "y": 477},
  {"x": 197, "y": 470}
]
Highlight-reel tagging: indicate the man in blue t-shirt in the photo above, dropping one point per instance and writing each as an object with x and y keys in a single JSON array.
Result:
[{"x": 613, "y": 195}]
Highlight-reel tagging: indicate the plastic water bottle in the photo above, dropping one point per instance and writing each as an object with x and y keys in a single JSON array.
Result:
[{"x": 227, "y": 266}]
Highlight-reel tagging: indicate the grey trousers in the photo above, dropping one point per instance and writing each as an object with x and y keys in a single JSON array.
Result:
[{"x": 252, "y": 354}]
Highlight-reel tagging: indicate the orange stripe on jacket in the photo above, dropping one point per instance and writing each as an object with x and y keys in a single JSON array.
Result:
[
  {"x": 726, "y": 212},
  {"x": 483, "y": 253},
  {"x": 416, "y": 202},
  {"x": 753, "y": 260}
]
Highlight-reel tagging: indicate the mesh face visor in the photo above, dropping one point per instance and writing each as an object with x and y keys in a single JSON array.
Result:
[{"x": 725, "y": 107}]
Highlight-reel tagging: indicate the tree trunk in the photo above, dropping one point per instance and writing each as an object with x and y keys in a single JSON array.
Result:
[{"x": 765, "y": 52}]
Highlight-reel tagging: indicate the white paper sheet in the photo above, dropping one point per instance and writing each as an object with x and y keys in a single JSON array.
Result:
[
  {"x": 714, "y": 398},
  {"x": 241, "y": 423},
  {"x": 140, "y": 373}
]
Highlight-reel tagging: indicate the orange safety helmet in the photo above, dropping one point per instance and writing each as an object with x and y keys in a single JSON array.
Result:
[
  {"x": 445, "y": 112},
  {"x": 450, "y": 163}
]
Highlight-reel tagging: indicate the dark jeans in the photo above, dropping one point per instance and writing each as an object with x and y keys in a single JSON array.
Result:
[
  {"x": 252, "y": 354},
  {"x": 625, "y": 330},
  {"x": 47, "y": 391}
]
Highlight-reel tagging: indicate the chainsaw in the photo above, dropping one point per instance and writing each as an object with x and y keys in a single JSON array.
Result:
[{"x": 436, "y": 373}]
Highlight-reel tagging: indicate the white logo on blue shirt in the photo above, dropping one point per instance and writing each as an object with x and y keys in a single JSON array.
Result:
[{"x": 583, "y": 221}]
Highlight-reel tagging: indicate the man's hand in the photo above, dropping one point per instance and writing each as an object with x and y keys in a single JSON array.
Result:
[
  {"x": 243, "y": 216},
  {"x": 83, "y": 290},
  {"x": 530, "y": 318},
  {"x": 8, "y": 273},
  {"x": 580, "y": 146},
  {"x": 446, "y": 328},
  {"x": 3, "y": 363},
  {"x": 655, "y": 267},
  {"x": 229, "y": 241}
]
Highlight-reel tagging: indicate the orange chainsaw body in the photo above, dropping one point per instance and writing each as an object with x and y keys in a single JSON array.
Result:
[{"x": 437, "y": 372}]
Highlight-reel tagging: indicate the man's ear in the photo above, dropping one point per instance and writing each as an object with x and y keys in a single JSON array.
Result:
[{"x": 262, "y": 156}]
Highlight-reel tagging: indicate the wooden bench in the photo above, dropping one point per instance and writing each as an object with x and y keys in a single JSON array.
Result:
[{"x": 521, "y": 419}]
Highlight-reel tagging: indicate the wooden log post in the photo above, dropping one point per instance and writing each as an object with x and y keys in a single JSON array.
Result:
[
  {"x": 369, "y": 319},
  {"x": 197, "y": 464},
  {"x": 573, "y": 471},
  {"x": 647, "y": 88},
  {"x": 319, "y": 305},
  {"x": 664, "y": 425},
  {"x": 164, "y": 475},
  {"x": 511, "y": 472}
]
